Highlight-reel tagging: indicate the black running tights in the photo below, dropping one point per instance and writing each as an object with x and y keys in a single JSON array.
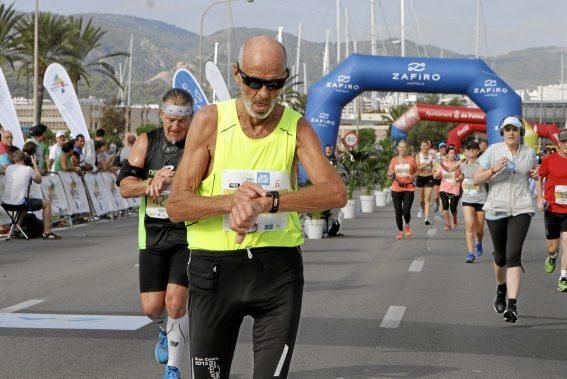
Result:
[
  {"x": 403, "y": 201},
  {"x": 508, "y": 235}
]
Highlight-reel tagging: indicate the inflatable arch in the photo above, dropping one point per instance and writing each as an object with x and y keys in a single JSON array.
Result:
[{"x": 472, "y": 77}]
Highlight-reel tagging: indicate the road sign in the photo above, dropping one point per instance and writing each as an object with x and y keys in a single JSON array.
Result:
[{"x": 351, "y": 139}]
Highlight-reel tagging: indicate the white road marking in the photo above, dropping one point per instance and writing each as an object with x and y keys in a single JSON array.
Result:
[
  {"x": 58, "y": 321},
  {"x": 431, "y": 232},
  {"x": 416, "y": 265},
  {"x": 20, "y": 306},
  {"x": 393, "y": 317}
]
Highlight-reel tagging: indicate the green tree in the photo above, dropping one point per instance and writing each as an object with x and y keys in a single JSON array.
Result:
[
  {"x": 53, "y": 30},
  {"x": 8, "y": 33},
  {"x": 113, "y": 121},
  {"x": 83, "y": 40},
  {"x": 292, "y": 98}
]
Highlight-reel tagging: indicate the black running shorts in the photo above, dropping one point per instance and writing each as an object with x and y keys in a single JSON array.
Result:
[
  {"x": 477, "y": 206},
  {"x": 160, "y": 267},
  {"x": 424, "y": 181},
  {"x": 264, "y": 283},
  {"x": 555, "y": 224}
]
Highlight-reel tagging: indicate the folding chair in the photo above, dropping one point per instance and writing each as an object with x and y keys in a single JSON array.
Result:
[{"x": 15, "y": 212}]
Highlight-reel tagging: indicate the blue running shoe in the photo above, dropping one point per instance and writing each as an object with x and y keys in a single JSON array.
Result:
[
  {"x": 479, "y": 249},
  {"x": 171, "y": 373},
  {"x": 161, "y": 353},
  {"x": 470, "y": 258}
]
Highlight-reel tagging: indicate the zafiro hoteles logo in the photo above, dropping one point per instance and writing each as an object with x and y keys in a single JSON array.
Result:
[
  {"x": 490, "y": 88},
  {"x": 58, "y": 82},
  {"x": 343, "y": 84},
  {"x": 416, "y": 75},
  {"x": 322, "y": 119}
]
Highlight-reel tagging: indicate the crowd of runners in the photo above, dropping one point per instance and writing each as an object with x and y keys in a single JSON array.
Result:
[{"x": 497, "y": 185}]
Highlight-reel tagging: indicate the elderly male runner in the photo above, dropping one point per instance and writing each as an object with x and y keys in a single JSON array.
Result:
[
  {"x": 236, "y": 184},
  {"x": 164, "y": 253}
]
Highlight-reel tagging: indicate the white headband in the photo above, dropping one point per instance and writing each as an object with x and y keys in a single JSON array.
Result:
[{"x": 177, "y": 110}]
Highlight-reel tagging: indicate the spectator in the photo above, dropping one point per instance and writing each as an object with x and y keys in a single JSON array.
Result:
[
  {"x": 30, "y": 149},
  {"x": 63, "y": 162},
  {"x": 125, "y": 152},
  {"x": 330, "y": 154},
  {"x": 38, "y": 135},
  {"x": 99, "y": 134},
  {"x": 5, "y": 159},
  {"x": 6, "y": 141},
  {"x": 18, "y": 178},
  {"x": 75, "y": 159},
  {"x": 483, "y": 145},
  {"x": 54, "y": 150}
]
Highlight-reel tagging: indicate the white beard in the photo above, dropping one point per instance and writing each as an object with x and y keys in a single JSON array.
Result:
[{"x": 256, "y": 115}]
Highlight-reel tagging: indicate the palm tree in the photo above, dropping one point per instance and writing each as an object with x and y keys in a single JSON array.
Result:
[
  {"x": 83, "y": 41},
  {"x": 292, "y": 98},
  {"x": 8, "y": 22},
  {"x": 53, "y": 30}
]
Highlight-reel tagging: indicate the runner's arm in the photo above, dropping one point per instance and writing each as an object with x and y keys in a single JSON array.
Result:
[{"x": 132, "y": 186}]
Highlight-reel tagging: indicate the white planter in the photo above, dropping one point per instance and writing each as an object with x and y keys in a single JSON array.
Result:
[
  {"x": 314, "y": 228},
  {"x": 350, "y": 208},
  {"x": 367, "y": 203},
  {"x": 381, "y": 198}
]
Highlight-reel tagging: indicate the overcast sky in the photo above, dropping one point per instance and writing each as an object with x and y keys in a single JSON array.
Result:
[{"x": 450, "y": 24}]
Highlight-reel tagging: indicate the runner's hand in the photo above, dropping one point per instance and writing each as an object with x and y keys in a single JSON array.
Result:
[
  {"x": 156, "y": 186},
  {"x": 243, "y": 217},
  {"x": 500, "y": 164},
  {"x": 541, "y": 204},
  {"x": 247, "y": 191}
]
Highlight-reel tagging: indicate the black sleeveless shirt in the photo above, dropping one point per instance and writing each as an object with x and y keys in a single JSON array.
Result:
[{"x": 162, "y": 233}]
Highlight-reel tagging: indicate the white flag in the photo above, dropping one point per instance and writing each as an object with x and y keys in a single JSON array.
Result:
[
  {"x": 8, "y": 117},
  {"x": 57, "y": 82}
]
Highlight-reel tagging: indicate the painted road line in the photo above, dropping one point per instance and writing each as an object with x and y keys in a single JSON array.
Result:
[
  {"x": 20, "y": 306},
  {"x": 416, "y": 265},
  {"x": 58, "y": 321},
  {"x": 393, "y": 317}
]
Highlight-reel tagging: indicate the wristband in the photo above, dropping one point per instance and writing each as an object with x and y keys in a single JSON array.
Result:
[{"x": 275, "y": 195}]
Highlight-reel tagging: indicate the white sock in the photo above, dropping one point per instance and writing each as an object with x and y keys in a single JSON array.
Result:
[
  {"x": 564, "y": 273},
  {"x": 160, "y": 319},
  {"x": 177, "y": 337}
]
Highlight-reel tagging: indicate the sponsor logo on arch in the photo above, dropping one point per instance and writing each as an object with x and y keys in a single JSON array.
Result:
[{"x": 416, "y": 75}]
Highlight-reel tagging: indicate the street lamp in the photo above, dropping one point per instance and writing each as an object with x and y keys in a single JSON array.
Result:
[{"x": 201, "y": 36}]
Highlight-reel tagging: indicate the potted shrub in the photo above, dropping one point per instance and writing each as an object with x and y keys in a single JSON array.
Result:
[
  {"x": 385, "y": 153},
  {"x": 350, "y": 170},
  {"x": 314, "y": 225}
]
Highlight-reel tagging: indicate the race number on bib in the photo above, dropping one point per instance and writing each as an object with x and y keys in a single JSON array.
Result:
[
  {"x": 156, "y": 208},
  {"x": 561, "y": 195},
  {"x": 469, "y": 188},
  {"x": 270, "y": 181},
  {"x": 402, "y": 169}
]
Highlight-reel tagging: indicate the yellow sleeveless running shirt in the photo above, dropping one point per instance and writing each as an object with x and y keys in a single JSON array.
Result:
[{"x": 268, "y": 162}]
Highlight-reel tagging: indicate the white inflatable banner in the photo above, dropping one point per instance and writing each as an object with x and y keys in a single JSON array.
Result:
[
  {"x": 52, "y": 189},
  {"x": 99, "y": 193},
  {"x": 216, "y": 80},
  {"x": 74, "y": 192},
  {"x": 119, "y": 203},
  {"x": 56, "y": 81},
  {"x": 8, "y": 116}
]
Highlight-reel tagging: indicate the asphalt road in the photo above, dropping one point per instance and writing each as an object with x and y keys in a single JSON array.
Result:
[{"x": 373, "y": 307}]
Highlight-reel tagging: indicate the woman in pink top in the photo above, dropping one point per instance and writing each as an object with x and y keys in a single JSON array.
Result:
[
  {"x": 450, "y": 188},
  {"x": 402, "y": 170}
]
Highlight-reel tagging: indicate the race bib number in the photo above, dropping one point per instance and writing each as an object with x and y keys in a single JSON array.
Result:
[
  {"x": 449, "y": 176},
  {"x": 402, "y": 169},
  {"x": 270, "y": 181},
  {"x": 561, "y": 195},
  {"x": 469, "y": 188},
  {"x": 156, "y": 208}
]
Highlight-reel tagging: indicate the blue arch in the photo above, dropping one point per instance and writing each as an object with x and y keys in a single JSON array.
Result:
[{"x": 359, "y": 73}]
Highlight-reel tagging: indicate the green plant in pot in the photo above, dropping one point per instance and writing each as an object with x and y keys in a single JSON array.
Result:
[
  {"x": 385, "y": 152},
  {"x": 350, "y": 169}
]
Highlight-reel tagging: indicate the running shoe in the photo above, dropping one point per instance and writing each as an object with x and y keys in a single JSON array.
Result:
[
  {"x": 470, "y": 258},
  {"x": 549, "y": 265},
  {"x": 562, "y": 284},
  {"x": 161, "y": 352},
  {"x": 447, "y": 227},
  {"x": 500, "y": 301},
  {"x": 400, "y": 236},
  {"x": 511, "y": 313},
  {"x": 171, "y": 373},
  {"x": 420, "y": 214},
  {"x": 479, "y": 249},
  {"x": 407, "y": 231},
  {"x": 427, "y": 222}
]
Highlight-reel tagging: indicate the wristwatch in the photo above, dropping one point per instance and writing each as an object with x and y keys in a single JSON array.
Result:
[{"x": 275, "y": 195}]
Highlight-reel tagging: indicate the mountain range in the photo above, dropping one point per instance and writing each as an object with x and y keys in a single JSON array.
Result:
[{"x": 160, "y": 48}]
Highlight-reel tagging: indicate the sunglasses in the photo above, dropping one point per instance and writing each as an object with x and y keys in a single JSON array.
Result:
[{"x": 257, "y": 83}]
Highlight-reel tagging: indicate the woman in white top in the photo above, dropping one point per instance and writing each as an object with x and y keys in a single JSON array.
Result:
[{"x": 507, "y": 166}]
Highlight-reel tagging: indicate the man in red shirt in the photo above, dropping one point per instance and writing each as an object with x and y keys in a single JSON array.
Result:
[{"x": 554, "y": 201}]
